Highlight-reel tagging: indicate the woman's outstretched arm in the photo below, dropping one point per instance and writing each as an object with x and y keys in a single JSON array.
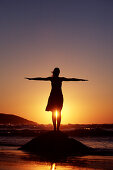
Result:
[
  {"x": 72, "y": 79},
  {"x": 38, "y": 78}
]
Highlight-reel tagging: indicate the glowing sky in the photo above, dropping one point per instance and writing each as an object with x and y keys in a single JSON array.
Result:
[{"x": 74, "y": 35}]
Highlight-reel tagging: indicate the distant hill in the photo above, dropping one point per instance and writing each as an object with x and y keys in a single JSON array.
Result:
[{"x": 14, "y": 120}]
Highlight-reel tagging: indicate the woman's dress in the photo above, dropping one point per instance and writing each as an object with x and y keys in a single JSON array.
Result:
[{"x": 55, "y": 101}]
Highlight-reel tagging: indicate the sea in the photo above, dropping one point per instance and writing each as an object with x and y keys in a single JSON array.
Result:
[{"x": 12, "y": 138}]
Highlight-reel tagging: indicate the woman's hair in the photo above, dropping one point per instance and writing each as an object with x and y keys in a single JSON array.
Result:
[{"x": 56, "y": 72}]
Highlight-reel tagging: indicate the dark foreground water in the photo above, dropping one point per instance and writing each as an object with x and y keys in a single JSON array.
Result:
[{"x": 13, "y": 159}]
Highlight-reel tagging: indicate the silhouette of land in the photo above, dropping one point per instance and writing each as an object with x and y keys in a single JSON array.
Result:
[
  {"x": 12, "y": 125},
  {"x": 14, "y": 120}
]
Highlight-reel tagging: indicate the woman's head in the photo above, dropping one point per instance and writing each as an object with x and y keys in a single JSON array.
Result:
[{"x": 56, "y": 72}]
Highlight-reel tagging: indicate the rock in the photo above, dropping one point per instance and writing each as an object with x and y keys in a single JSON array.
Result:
[{"x": 55, "y": 143}]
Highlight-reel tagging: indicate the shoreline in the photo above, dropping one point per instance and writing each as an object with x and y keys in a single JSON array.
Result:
[{"x": 11, "y": 158}]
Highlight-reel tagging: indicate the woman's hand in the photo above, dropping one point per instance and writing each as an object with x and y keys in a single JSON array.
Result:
[
  {"x": 28, "y": 78},
  {"x": 83, "y": 80}
]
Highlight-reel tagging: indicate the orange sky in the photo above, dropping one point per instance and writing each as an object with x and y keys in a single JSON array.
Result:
[
  {"x": 84, "y": 102},
  {"x": 36, "y": 38}
]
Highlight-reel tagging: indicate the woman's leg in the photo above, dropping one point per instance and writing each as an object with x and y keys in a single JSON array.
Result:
[
  {"x": 54, "y": 120},
  {"x": 58, "y": 120}
]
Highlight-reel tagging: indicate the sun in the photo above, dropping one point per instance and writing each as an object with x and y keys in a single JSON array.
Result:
[{"x": 56, "y": 113}]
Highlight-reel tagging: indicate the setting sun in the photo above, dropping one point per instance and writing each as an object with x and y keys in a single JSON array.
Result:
[{"x": 56, "y": 114}]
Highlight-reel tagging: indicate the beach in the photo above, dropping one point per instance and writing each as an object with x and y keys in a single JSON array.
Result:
[{"x": 11, "y": 158}]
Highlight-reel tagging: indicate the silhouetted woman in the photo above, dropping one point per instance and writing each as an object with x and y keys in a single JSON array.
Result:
[{"x": 55, "y": 101}]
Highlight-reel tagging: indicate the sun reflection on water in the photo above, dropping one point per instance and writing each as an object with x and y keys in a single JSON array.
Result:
[{"x": 53, "y": 166}]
